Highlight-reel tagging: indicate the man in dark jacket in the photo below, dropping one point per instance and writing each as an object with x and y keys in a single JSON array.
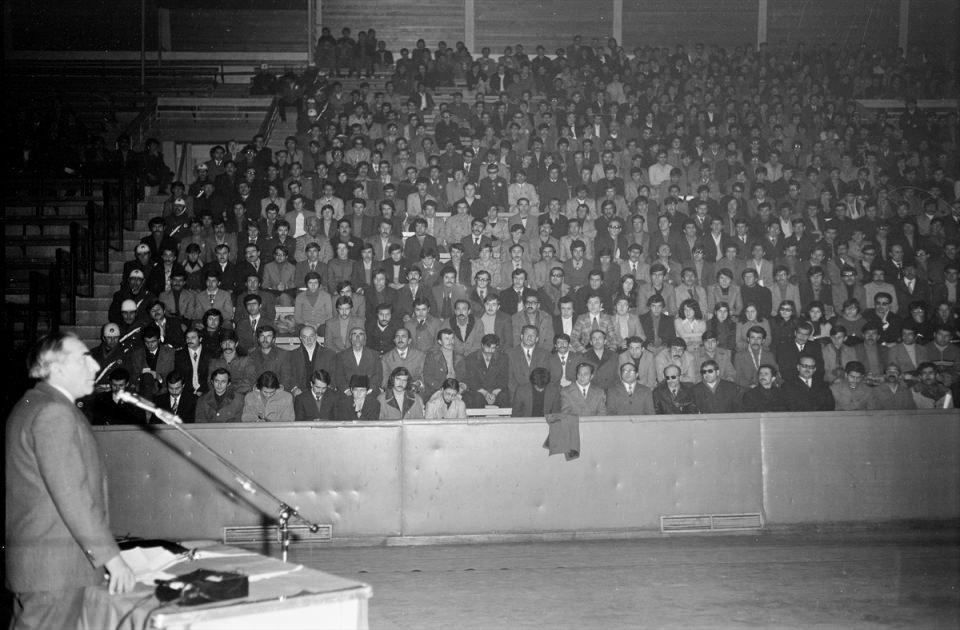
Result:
[
  {"x": 176, "y": 399},
  {"x": 766, "y": 395},
  {"x": 221, "y": 402},
  {"x": 358, "y": 402},
  {"x": 714, "y": 394},
  {"x": 628, "y": 397},
  {"x": 671, "y": 396},
  {"x": 808, "y": 391},
  {"x": 487, "y": 375},
  {"x": 537, "y": 398},
  {"x": 790, "y": 352},
  {"x": 58, "y": 538},
  {"x": 318, "y": 402}
]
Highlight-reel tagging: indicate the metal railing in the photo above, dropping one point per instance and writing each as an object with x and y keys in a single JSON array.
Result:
[
  {"x": 53, "y": 291},
  {"x": 182, "y": 153},
  {"x": 80, "y": 264},
  {"x": 67, "y": 274},
  {"x": 270, "y": 120},
  {"x": 139, "y": 128}
]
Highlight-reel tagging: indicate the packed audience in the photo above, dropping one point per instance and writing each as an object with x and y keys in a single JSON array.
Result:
[{"x": 675, "y": 232}]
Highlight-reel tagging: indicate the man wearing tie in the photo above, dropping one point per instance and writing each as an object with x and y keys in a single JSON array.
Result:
[
  {"x": 476, "y": 240},
  {"x": 311, "y": 264},
  {"x": 318, "y": 402},
  {"x": 247, "y": 326},
  {"x": 582, "y": 397},
  {"x": 592, "y": 320},
  {"x": 634, "y": 265},
  {"x": 446, "y": 294},
  {"x": 628, "y": 397},
  {"x": 193, "y": 362},
  {"x": 402, "y": 355},
  {"x": 177, "y": 400},
  {"x": 512, "y": 298},
  {"x": 563, "y": 361},
  {"x": 524, "y": 358}
]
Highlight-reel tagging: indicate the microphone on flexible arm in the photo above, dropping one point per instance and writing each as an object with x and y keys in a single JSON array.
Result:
[
  {"x": 245, "y": 481},
  {"x": 168, "y": 417}
]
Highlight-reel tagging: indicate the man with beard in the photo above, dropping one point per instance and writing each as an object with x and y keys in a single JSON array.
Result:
[
  {"x": 929, "y": 393},
  {"x": 765, "y": 395}
]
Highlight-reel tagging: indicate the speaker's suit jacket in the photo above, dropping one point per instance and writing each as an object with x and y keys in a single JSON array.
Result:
[{"x": 58, "y": 528}]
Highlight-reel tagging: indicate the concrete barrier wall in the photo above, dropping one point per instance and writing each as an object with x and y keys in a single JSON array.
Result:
[
  {"x": 861, "y": 467},
  {"x": 163, "y": 485},
  {"x": 489, "y": 477},
  {"x": 495, "y": 477}
]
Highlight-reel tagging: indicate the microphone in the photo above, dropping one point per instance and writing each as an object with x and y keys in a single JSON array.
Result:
[{"x": 168, "y": 417}]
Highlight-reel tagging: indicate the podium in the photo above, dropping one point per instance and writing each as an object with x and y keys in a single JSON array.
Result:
[{"x": 282, "y": 595}]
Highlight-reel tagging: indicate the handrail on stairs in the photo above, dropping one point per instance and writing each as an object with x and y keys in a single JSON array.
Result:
[
  {"x": 54, "y": 290},
  {"x": 270, "y": 120}
]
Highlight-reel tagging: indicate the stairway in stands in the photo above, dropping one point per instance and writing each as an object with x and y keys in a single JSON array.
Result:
[
  {"x": 92, "y": 311},
  {"x": 283, "y": 129}
]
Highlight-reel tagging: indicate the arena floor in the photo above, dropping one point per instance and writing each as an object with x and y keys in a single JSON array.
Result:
[{"x": 855, "y": 580}]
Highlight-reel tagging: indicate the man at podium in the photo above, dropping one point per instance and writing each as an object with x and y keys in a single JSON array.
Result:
[{"x": 57, "y": 527}]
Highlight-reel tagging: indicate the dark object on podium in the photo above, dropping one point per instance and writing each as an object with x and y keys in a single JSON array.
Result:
[
  {"x": 145, "y": 543},
  {"x": 203, "y": 587}
]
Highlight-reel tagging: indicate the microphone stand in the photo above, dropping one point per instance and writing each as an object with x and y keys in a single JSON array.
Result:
[{"x": 285, "y": 511}]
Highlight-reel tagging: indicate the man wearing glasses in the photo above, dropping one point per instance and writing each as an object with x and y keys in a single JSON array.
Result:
[
  {"x": 882, "y": 313},
  {"x": 671, "y": 396},
  {"x": 789, "y": 352},
  {"x": 806, "y": 392},
  {"x": 714, "y": 394},
  {"x": 614, "y": 240}
]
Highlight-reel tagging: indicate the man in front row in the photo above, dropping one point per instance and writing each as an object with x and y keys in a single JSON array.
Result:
[
  {"x": 714, "y": 394},
  {"x": 58, "y": 538},
  {"x": 628, "y": 397},
  {"x": 487, "y": 374},
  {"x": 583, "y": 397},
  {"x": 319, "y": 402}
]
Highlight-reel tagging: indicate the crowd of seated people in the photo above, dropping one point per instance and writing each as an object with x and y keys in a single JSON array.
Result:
[{"x": 702, "y": 232}]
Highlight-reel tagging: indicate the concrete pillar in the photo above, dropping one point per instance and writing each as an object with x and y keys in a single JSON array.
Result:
[
  {"x": 761, "y": 22},
  {"x": 163, "y": 29},
  {"x": 317, "y": 19},
  {"x": 470, "y": 25},
  {"x": 617, "y": 33},
  {"x": 904, "y": 33},
  {"x": 311, "y": 29}
]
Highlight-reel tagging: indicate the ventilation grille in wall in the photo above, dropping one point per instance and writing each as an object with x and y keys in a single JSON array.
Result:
[
  {"x": 251, "y": 534},
  {"x": 710, "y": 523}
]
